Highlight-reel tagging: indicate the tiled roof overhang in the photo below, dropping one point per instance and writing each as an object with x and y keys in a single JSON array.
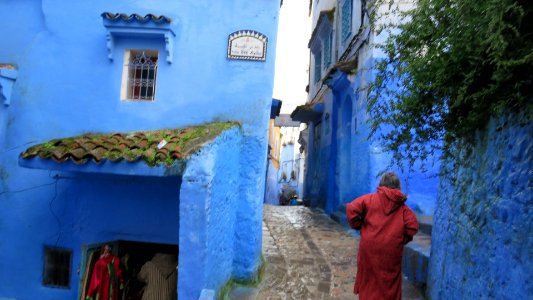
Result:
[
  {"x": 307, "y": 113},
  {"x": 144, "y": 153},
  {"x": 136, "y": 26},
  {"x": 136, "y": 17}
]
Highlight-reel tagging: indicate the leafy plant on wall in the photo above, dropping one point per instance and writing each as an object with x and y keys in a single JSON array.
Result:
[{"x": 449, "y": 66}]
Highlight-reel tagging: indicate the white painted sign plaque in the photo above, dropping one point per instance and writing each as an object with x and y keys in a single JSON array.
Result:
[{"x": 247, "y": 45}]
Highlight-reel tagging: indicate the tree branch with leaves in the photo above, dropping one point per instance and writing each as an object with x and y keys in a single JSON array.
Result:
[{"x": 448, "y": 67}]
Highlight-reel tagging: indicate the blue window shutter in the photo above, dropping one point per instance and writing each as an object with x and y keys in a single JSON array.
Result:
[
  {"x": 318, "y": 66},
  {"x": 327, "y": 48},
  {"x": 346, "y": 20}
]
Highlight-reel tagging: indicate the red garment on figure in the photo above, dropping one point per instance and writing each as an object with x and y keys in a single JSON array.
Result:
[
  {"x": 386, "y": 226},
  {"x": 106, "y": 280}
]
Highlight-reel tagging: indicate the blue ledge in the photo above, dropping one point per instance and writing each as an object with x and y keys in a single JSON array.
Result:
[
  {"x": 136, "y": 26},
  {"x": 338, "y": 81},
  {"x": 275, "y": 108},
  {"x": 308, "y": 112},
  {"x": 123, "y": 167}
]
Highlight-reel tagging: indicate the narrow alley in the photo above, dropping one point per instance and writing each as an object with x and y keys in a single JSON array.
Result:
[{"x": 309, "y": 256}]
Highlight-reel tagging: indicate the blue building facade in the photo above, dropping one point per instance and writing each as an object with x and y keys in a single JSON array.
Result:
[
  {"x": 478, "y": 246},
  {"x": 285, "y": 161},
  {"x": 342, "y": 162},
  {"x": 76, "y": 69}
]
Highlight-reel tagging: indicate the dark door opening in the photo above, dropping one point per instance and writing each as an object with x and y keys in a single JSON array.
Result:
[{"x": 133, "y": 256}]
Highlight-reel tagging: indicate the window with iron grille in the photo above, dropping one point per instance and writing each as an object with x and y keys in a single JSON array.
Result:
[
  {"x": 327, "y": 47},
  {"x": 318, "y": 65},
  {"x": 56, "y": 271},
  {"x": 139, "y": 75},
  {"x": 346, "y": 19}
]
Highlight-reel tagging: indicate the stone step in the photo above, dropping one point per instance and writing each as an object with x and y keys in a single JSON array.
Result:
[
  {"x": 426, "y": 224},
  {"x": 339, "y": 217},
  {"x": 243, "y": 293},
  {"x": 416, "y": 259}
]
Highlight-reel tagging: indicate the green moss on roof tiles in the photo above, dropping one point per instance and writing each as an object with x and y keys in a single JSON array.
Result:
[{"x": 133, "y": 146}]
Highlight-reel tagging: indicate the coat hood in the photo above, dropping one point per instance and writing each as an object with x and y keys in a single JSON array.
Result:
[
  {"x": 165, "y": 263},
  {"x": 391, "y": 199}
]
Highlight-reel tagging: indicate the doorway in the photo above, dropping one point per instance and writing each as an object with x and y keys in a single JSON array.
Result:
[{"x": 133, "y": 255}]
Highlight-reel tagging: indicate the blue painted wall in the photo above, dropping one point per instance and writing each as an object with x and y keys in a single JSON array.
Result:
[
  {"x": 249, "y": 219},
  {"x": 272, "y": 185},
  {"x": 71, "y": 209},
  {"x": 209, "y": 195},
  {"x": 481, "y": 243},
  {"x": 67, "y": 86},
  {"x": 288, "y": 162},
  {"x": 348, "y": 164}
]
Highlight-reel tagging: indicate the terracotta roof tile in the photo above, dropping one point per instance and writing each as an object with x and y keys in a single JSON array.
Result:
[{"x": 180, "y": 143}]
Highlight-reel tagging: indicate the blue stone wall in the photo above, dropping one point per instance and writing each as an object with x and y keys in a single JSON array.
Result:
[
  {"x": 249, "y": 218},
  {"x": 221, "y": 212},
  {"x": 67, "y": 86},
  {"x": 210, "y": 194},
  {"x": 481, "y": 243}
]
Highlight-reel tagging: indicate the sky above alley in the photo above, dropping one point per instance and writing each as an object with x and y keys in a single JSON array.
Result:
[{"x": 292, "y": 54}]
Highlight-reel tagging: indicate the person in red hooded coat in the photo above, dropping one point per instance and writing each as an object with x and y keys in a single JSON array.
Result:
[{"x": 386, "y": 225}]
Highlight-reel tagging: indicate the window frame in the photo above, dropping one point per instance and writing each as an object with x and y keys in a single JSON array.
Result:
[
  {"x": 144, "y": 71},
  {"x": 346, "y": 20},
  {"x": 51, "y": 269},
  {"x": 322, "y": 47},
  {"x": 317, "y": 54}
]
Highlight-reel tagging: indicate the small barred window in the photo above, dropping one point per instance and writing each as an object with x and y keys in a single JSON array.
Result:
[
  {"x": 141, "y": 69},
  {"x": 57, "y": 263}
]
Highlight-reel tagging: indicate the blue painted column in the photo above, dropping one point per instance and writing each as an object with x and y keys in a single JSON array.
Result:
[
  {"x": 194, "y": 195},
  {"x": 249, "y": 219},
  {"x": 331, "y": 176},
  {"x": 340, "y": 85},
  {"x": 311, "y": 166}
]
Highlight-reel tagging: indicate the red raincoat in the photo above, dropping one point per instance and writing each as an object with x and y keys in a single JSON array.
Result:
[
  {"x": 386, "y": 226},
  {"x": 106, "y": 280}
]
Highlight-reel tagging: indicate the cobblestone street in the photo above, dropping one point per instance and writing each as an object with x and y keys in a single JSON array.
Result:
[{"x": 309, "y": 256}]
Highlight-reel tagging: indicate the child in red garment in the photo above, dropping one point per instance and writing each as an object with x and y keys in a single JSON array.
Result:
[
  {"x": 106, "y": 280},
  {"x": 386, "y": 225}
]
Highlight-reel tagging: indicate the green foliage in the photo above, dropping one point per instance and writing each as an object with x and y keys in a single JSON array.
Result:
[{"x": 449, "y": 66}]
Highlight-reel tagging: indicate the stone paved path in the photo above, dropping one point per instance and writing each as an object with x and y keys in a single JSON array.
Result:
[{"x": 309, "y": 256}]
